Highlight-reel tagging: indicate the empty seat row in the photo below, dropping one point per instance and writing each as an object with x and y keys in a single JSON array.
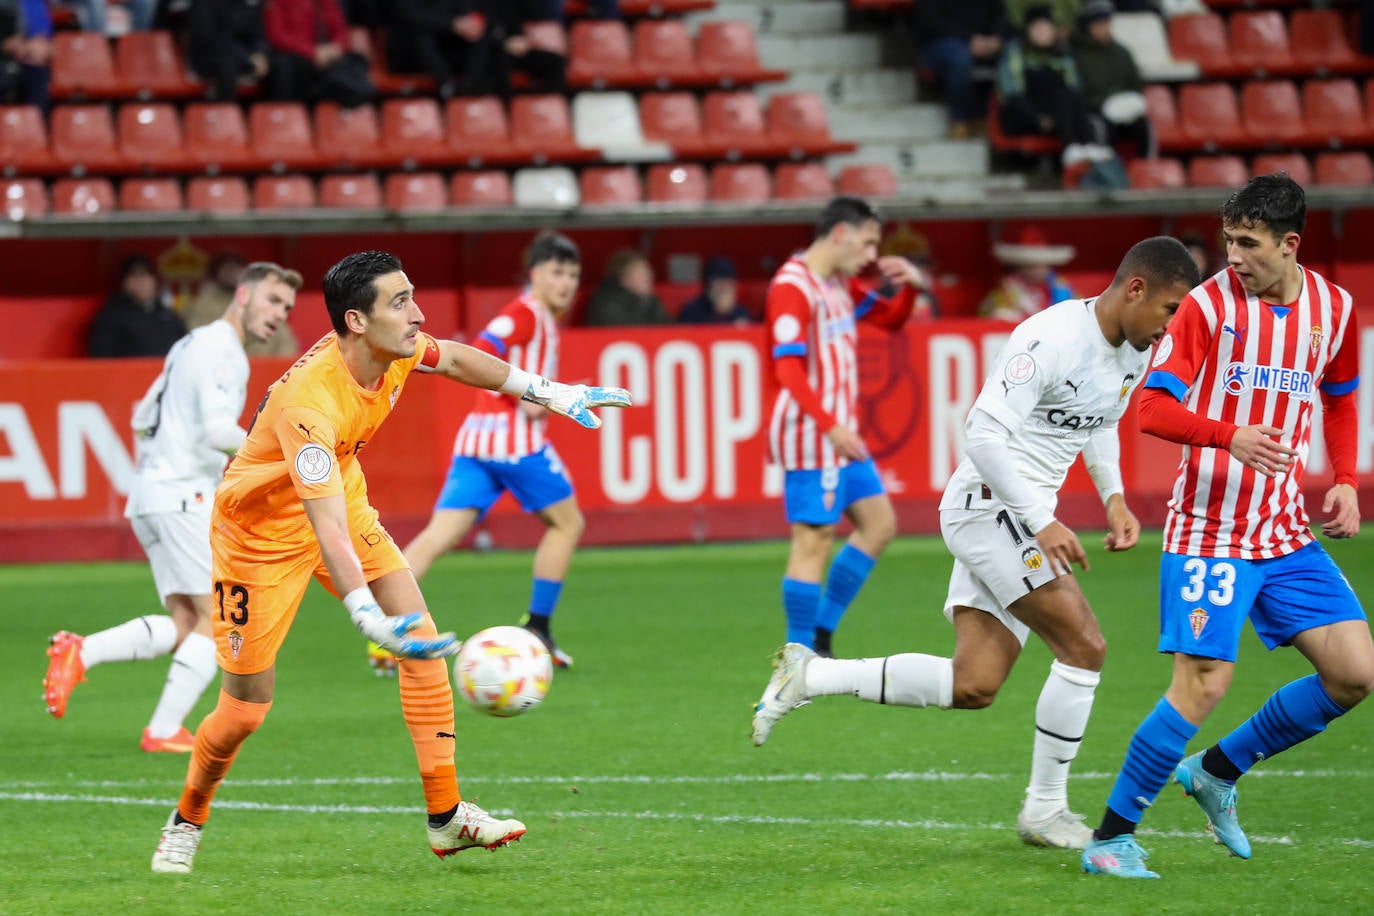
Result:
[
  {"x": 602, "y": 54},
  {"x": 409, "y": 133},
  {"x": 1352, "y": 168},
  {"x": 1263, "y": 43},
  {"x": 1266, "y": 113},
  {"x": 686, "y": 184}
]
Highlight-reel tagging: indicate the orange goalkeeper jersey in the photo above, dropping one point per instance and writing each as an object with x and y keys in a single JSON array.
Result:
[{"x": 304, "y": 441}]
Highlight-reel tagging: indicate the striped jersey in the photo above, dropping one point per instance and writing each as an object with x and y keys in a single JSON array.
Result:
[
  {"x": 524, "y": 334},
  {"x": 1230, "y": 357},
  {"x": 815, "y": 319}
]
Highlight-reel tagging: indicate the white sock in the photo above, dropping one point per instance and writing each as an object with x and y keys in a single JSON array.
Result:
[
  {"x": 1061, "y": 717},
  {"x": 193, "y": 665},
  {"x": 141, "y": 638},
  {"x": 897, "y": 680}
]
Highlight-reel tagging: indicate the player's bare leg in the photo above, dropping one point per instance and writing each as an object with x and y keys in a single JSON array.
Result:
[
  {"x": 193, "y": 668},
  {"x": 875, "y": 525},
  {"x": 446, "y": 528},
  {"x": 552, "y": 558}
]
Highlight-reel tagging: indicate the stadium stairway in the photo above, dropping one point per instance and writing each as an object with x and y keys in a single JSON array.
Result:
[{"x": 870, "y": 101}]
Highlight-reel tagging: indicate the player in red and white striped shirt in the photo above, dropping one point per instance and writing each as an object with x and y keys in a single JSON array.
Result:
[
  {"x": 501, "y": 444},
  {"x": 813, "y": 306},
  {"x": 1235, "y": 382}
]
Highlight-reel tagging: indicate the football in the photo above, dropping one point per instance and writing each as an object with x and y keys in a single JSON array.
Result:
[{"x": 503, "y": 671}]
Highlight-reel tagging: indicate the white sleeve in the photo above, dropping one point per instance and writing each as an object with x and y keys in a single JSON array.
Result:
[
  {"x": 221, "y": 391},
  {"x": 1102, "y": 455},
  {"x": 985, "y": 443}
]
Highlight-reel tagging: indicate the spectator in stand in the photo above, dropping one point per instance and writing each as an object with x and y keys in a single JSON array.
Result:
[
  {"x": 1029, "y": 283},
  {"x": 906, "y": 242},
  {"x": 308, "y": 56},
  {"x": 214, "y": 297},
  {"x": 953, "y": 37},
  {"x": 437, "y": 38},
  {"x": 136, "y": 320},
  {"x": 718, "y": 302},
  {"x": 1063, "y": 12},
  {"x": 226, "y": 44},
  {"x": 626, "y": 294},
  {"x": 131, "y": 15},
  {"x": 505, "y": 49},
  {"x": 25, "y": 52},
  {"x": 1111, "y": 79}
]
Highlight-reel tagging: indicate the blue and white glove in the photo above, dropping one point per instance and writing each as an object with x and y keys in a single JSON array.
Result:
[
  {"x": 574, "y": 401},
  {"x": 390, "y": 632}
]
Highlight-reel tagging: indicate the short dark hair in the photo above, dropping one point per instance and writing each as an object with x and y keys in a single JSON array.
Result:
[
  {"x": 1162, "y": 260},
  {"x": 349, "y": 286},
  {"x": 552, "y": 246},
  {"x": 1275, "y": 200},
  {"x": 855, "y": 211},
  {"x": 260, "y": 270}
]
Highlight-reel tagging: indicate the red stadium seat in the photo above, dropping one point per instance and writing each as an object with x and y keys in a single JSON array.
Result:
[
  {"x": 802, "y": 181},
  {"x": 1147, "y": 174},
  {"x": 354, "y": 192},
  {"x": 610, "y": 186},
  {"x": 734, "y": 121},
  {"x": 1350, "y": 168},
  {"x": 600, "y": 55},
  {"x": 1321, "y": 45},
  {"x": 1259, "y": 43},
  {"x": 663, "y": 53},
  {"x": 216, "y": 137},
  {"x": 799, "y": 120},
  {"x": 217, "y": 194},
  {"x": 156, "y": 195},
  {"x": 416, "y": 192},
  {"x": 541, "y": 128},
  {"x": 1333, "y": 112},
  {"x": 150, "y": 136},
  {"x": 1295, "y": 164},
  {"x": 867, "y": 180},
  {"x": 148, "y": 67},
  {"x": 1162, "y": 110},
  {"x": 728, "y": 54},
  {"x": 283, "y": 192},
  {"x": 83, "y": 196},
  {"x": 24, "y": 141},
  {"x": 1272, "y": 112},
  {"x": 478, "y": 130},
  {"x": 22, "y": 197},
  {"x": 413, "y": 132},
  {"x": 674, "y": 118},
  {"x": 83, "y": 139},
  {"x": 1217, "y": 172},
  {"x": 677, "y": 183},
  {"x": 1209, "y": 116},
  {"x": 83, "y": 67},
  {"x": 281, "y": 135},
  {"x": 349, "y": 137},
  {"x": 740, "y": 183},
  {"x": 1202, "y": 38},
  {"x": 480, "y": 189}
]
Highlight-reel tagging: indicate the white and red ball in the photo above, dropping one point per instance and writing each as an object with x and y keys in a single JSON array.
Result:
[{"x": 503, "y": 671}]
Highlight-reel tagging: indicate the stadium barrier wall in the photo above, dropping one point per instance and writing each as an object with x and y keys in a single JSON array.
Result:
[{"x": 688, "y": 463}]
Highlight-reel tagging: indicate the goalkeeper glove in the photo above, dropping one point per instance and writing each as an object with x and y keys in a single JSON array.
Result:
[
  {"x": 572, "y": 401},
  {"x": 390, "y": 632}
]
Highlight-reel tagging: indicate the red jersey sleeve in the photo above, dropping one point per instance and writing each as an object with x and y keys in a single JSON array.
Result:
[
  {"x": 514, "y": 326},
  {"x": 1340, "y": 414},
  {"x": 889, "y": 312}
]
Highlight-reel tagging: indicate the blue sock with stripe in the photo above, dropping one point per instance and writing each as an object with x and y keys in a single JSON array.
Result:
[
  {"x": 848, "y": 573},
  {"x": 800, "y": 601},
  {"x": 544, "y": 597},
  {"x": 1295, "y": 712},
  {"x": 1156, "y": 749}
]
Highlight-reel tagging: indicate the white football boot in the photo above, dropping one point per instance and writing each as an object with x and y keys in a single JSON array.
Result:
[
  {"x": 1062, "y": 830},
  {"x": 177, "y": 849},
  {"x": 786, "y": 689},
  {"x": 471, "y": 827}
]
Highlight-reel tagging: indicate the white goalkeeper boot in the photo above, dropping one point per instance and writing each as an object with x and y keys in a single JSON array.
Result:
[{"x": 471, "y": 827}]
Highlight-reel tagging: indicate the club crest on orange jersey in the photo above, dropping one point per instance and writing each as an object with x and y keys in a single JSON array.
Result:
[
  {"x": 1316, "y": 333},
  {"x": 1198, "y": 620},
  {"x": 235, "y": 642}
]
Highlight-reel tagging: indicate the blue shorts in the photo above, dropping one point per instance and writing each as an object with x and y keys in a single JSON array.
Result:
[
  {"x": 1203, "y": 601},
  {"x": 536, "y": 481},
  {"x": 819, "y": 497}
]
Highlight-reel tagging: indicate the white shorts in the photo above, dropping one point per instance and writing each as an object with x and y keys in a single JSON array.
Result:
[
  {"x": 995, "y": 563},
  {"x": 178, "y": 549}
]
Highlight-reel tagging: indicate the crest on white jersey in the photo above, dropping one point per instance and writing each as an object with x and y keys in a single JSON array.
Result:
[
  {"x": 314, "y": 463},
  {"x": 1019, "y": 369}
]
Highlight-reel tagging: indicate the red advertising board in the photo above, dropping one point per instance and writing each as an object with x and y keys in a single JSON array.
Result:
[{"x": 688, "y": 462}]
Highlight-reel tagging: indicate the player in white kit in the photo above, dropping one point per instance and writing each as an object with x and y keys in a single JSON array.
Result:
[
  {"x": 187, "y": 427},
  {"x": 1058, "y": 388}
]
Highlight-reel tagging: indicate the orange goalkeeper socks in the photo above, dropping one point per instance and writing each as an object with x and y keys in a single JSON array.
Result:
[
  {"x": 218, "y": 740},
  {"x": 427, "y": 704}
]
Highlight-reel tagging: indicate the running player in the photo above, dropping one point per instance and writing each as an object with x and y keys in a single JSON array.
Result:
[
  {"x": 1058, "y": 388},
  {"x": 1235, "y": 383},
  {"x": 187, "y": 427},
  {"x": 294, "y": 505},
  {"x": 813, "y": 305}
]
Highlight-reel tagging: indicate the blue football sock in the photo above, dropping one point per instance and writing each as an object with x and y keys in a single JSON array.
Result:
[
  {"x": 1156, "y": 749},
  {"x": 1294, "y": 713},
  {"x": 544, "y": 597},
  {"x": 800, "y": 600},
  {"x": 847, "y": 575}
]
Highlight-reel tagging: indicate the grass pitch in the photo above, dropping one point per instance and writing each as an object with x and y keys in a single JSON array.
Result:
[{"x": 636, "y": 777}]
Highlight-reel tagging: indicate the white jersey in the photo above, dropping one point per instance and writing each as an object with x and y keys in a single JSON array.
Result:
[
  {"x": 202, "y": 386},
  {"x": 1055, "y": 383}
]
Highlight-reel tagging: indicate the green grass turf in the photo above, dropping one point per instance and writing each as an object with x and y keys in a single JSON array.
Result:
[{"x": 636, "y": 777}]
